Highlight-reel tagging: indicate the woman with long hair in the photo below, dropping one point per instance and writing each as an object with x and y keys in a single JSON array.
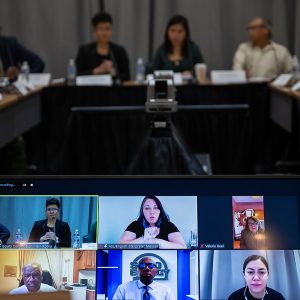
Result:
[
  {"x": 178, "y": 52},
  {"x": 252, "y": 237},
  {"x": 153, "y": 226},
  {"x": 256, "y": 274}
]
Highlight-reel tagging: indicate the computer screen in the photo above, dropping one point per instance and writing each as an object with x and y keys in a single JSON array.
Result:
[{"x": 157, "y": 237}]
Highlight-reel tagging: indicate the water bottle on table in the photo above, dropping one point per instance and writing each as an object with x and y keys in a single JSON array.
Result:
[
  {"x": 76, "y": 239},
  {"x": 25, "y": 71},
  {"x": 140, "y": 71},
  {"x": 71, "y": 76},
  {"x": 19, "y": 236}
]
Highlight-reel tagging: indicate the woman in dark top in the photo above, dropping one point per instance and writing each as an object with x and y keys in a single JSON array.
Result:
[
  {"x": 103, "y": 56},
  {"x": 256, "y": 274},
  {"x": 51, "y": 230},
  {"x": 178, "y": 52},
  {"x": 252, "y": 237},
  {"x": 153, "y": 226}
]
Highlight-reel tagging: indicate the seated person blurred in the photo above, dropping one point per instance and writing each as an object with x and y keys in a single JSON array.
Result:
[
  {"x": 178, "y": 52},
  {"x": 91, "y": 236},
  {"x": 13, "y": 54},
  {"x": 4, "y": 234},
  {"x": 103, "y": 56},
  {"x": 252, "y": 237},
  {"x": 153, "y": 226},
  {"x": 51, "y": 230},
  {"x": 32, "y": 276},
  {"x": 261, "y": 56},
  {"x": 145, "y": 287}
]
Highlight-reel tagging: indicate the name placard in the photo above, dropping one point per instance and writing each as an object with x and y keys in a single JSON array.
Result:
[
  {"x": 39, "y": 79},
  {"x": 228, "y": 76},
  {"x": 88, "y": 80}
]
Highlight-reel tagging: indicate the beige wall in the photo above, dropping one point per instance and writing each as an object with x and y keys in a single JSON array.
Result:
[{"x": 11, "y": 258}]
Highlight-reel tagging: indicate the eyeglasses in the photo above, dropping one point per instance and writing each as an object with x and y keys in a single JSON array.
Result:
[
  {"x": 252, "y": 223},
  {"x": 255, "y": 27},
  {"x": 144, "y": 265},
  {"x": 52, "y": 209}
]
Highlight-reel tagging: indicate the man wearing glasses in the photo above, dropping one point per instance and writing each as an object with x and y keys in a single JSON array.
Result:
[
  {"x": 32, "y": 277},
  {"x": 261, "y": 56},
  {"x": 51, "y": 230},
  {"x": 145, "y": 288}
]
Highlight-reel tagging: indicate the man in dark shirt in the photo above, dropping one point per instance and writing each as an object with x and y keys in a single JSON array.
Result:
[
  {"x": 13, "y": 54},
  {"x": 4, "y": 234}
]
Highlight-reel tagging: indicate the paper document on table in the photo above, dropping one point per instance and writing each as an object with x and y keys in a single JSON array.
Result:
[
  {"x": 178, "y": 79},
  {"x": 296, "y": 86},
  {"x": 282, "y": 80}
]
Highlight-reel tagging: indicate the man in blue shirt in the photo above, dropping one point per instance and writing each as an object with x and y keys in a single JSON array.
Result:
[{"x": 144, "y": 288}]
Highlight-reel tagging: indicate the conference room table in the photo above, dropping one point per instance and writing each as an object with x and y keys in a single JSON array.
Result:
[
  {"x": 18, "y": 114},
  {"x": 285, "y": 124},
  {"x": 105, "y": 130}
]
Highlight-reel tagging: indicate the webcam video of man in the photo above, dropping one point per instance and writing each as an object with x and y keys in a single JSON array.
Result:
[
  {"x": 42, "y": 271},
  {"x": 155, "y": 274}
]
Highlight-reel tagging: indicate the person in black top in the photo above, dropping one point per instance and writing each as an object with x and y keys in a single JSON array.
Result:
[
  {"x": 252, "y": 237},
  {"x": 103, "y": 56},
  {"x": 51, "y": 230},
  {"x": 153, "y": 226},
  {"x": 256, "y": 274},
  {"x": 4, "y": 234},
  {"x": 178, "y": 52}
]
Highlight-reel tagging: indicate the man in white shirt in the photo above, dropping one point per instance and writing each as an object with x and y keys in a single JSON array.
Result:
[
  {"x": 32, "y": 276},
  {"x": 144, "y": 288},
  {"x": 262, "y": 57}
]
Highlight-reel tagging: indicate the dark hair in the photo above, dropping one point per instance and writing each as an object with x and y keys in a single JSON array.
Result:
[
  {"x": 255, "y": 257},
  {"x": 52, "y": 201},
  {"x": 163, "y": 216},
  {"x": 101, "y": 17},
  {"x": 247, "y": 221},
  {"x": 178, "y": 19}
]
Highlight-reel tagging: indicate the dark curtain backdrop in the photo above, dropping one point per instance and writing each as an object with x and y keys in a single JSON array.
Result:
[{"x": 55, "y": 29}]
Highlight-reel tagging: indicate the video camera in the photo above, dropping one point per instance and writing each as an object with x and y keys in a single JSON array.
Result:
[{"x": 161, "y": 94}]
